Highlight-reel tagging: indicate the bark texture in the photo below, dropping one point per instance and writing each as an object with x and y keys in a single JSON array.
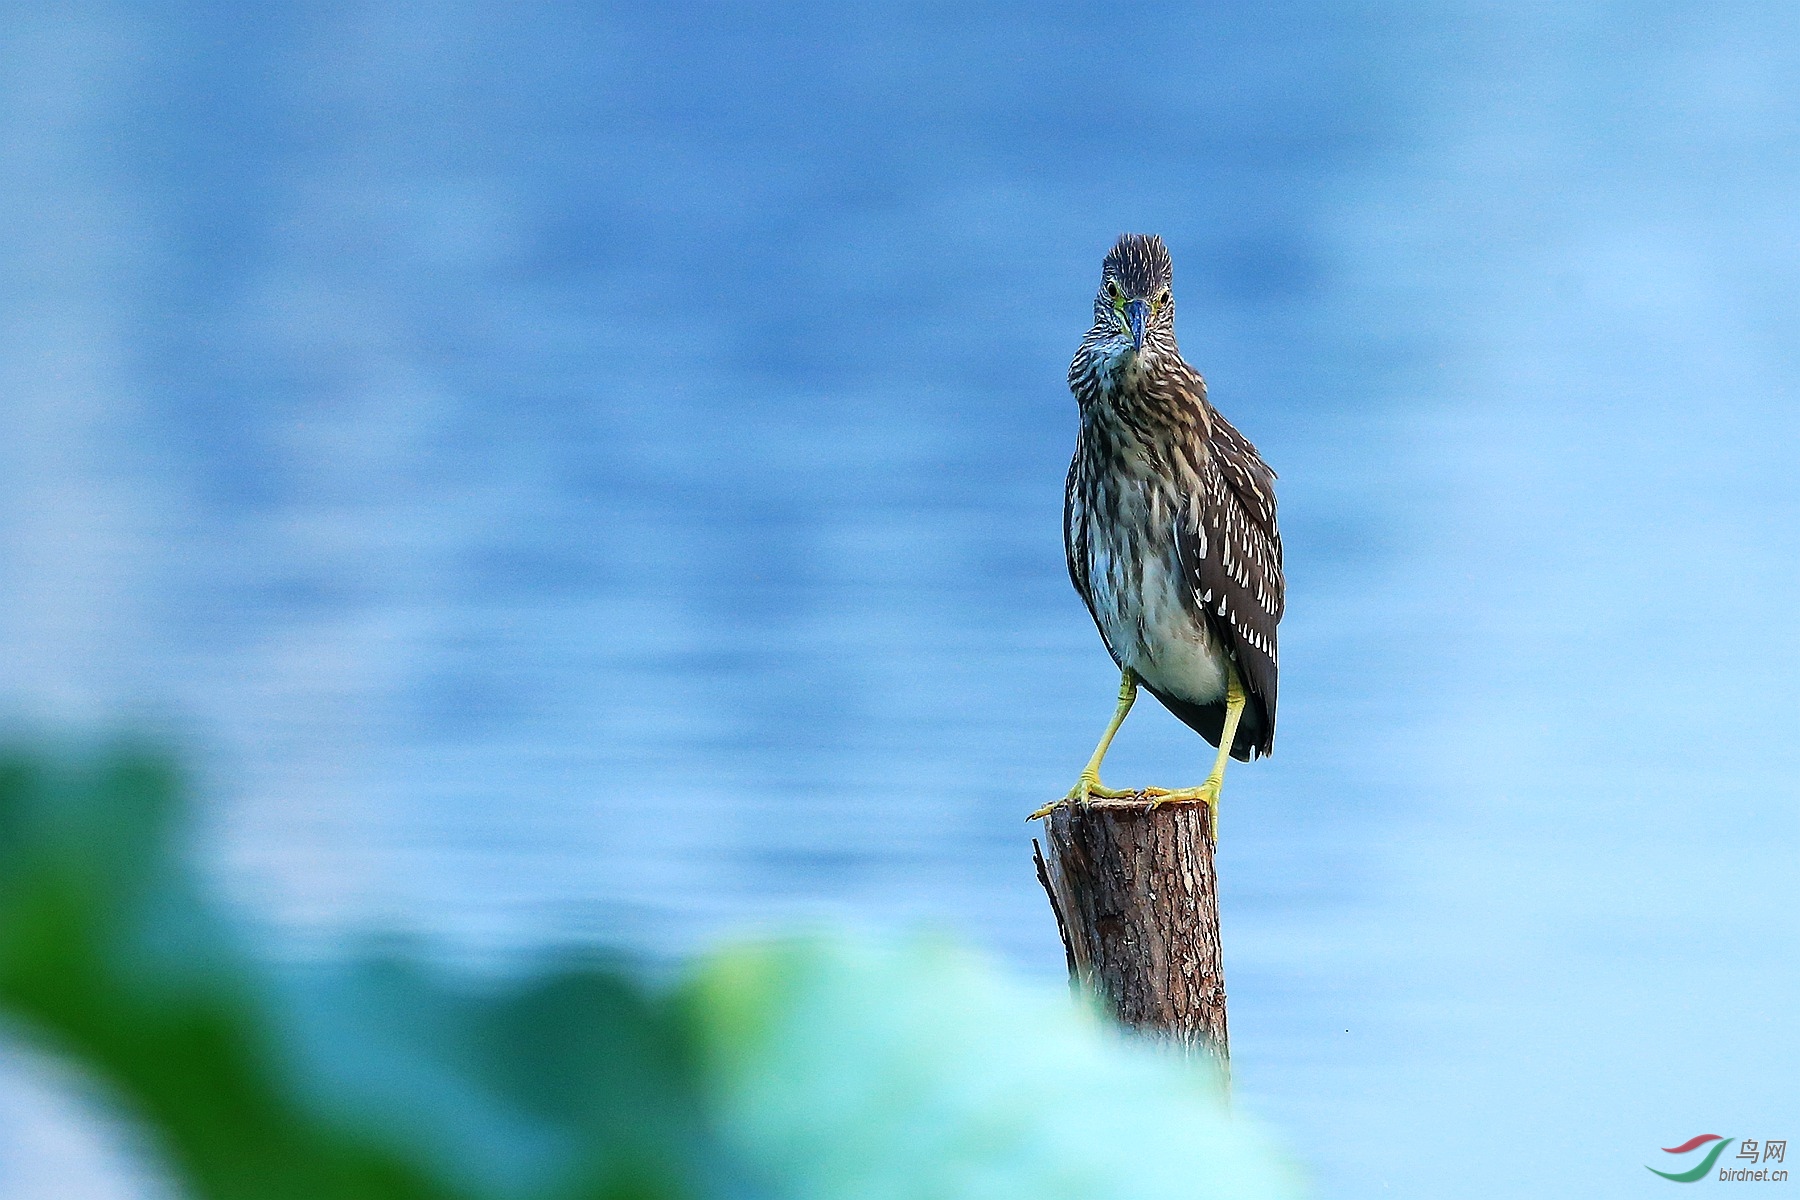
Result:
[{"x": 1137, "y": 904}]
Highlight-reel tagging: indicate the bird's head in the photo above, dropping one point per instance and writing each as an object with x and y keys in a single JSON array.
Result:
[{"x": 1136, "y": 305}]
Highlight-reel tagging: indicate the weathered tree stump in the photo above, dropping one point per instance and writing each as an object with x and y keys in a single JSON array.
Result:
[{"x": 1137, "y": 903}]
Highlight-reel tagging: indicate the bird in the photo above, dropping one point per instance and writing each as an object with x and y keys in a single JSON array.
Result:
[{"x": 1170, "y": 532}]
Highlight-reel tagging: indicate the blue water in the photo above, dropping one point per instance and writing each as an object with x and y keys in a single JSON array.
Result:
[{"x": 594, "y": 476}]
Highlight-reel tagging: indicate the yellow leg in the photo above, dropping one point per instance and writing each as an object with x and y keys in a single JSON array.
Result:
[
  {"x": 1208, "y": 792},
  {"x": 1089, "y": 783}
]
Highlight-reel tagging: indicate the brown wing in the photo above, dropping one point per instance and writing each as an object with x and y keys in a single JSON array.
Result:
[{"x": 1231, "y": 550}]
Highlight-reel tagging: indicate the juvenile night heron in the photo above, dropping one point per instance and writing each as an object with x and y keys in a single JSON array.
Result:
[{"x": 1169, "y": 525}]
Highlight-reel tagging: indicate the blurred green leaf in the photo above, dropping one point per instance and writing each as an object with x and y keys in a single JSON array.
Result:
[
  {"x": 564, "y": 1087},
  {"x": 850, "y": 1070}
]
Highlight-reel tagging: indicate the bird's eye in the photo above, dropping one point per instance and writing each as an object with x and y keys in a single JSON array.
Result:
[
  {"x": 1112, "y": 289},
  {"x": 1163, "y": 297}
]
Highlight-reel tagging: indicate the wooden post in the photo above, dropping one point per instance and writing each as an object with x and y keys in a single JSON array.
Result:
[{"x": 1137, "y": 903}]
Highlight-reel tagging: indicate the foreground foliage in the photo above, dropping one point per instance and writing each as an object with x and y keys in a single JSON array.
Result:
[{"x": 800, "y": 1070}]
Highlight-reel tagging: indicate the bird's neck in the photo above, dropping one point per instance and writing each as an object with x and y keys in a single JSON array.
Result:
[{"x": 1151, "y": 388}]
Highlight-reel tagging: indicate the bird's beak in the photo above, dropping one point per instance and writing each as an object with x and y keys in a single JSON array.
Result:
[{"x": 1136, "y": 314}]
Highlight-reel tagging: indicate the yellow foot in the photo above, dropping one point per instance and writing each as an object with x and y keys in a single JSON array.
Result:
[
  {"x": 1207, "y": 794},
  {"x": 1086, "y": 788}
]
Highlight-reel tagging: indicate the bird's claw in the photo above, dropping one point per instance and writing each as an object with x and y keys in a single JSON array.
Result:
[
  {"x": 1089, "y": 787},
  {"x": 1207, "y": 793},
  {"x": 1086, "y": 788}
]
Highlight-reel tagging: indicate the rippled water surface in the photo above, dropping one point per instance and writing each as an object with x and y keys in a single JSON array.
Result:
[{"x": 595, "y": 475}]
